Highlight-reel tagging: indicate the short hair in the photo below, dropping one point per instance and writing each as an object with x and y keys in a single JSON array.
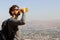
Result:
[{"x": 12, "y": 9}]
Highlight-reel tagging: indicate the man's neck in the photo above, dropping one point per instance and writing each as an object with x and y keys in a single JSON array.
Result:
[{"x": 15, "y": 17}]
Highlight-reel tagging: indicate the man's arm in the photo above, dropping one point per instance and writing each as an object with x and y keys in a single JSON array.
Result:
[
  {"x": 23, "y": 18},
  {"x": 18, "y": 22}
]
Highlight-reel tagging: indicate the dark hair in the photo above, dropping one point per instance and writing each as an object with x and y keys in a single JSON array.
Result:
[{"x": 12, "y": 9}]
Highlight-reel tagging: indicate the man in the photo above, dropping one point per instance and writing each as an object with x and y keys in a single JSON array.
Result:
[{"x": 10, "y": 26}]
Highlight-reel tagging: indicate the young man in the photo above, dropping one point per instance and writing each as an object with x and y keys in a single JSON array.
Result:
[{"x": 10, "y": 26}]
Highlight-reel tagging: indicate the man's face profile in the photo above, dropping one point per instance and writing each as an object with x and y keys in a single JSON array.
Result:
[{"x": 15, "y": 11}]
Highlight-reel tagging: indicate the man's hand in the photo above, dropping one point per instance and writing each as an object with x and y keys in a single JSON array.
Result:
[{"x": 22, "y": 11}]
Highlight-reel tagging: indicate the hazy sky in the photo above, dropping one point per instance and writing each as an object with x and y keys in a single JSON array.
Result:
[{"x": 38, "y": 9}]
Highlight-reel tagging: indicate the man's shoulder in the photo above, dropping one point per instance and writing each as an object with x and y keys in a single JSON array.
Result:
[{"x": 5, "y": 21}]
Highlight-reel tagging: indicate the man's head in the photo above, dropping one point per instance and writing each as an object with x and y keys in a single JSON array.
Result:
[{"x": 14, "y": 10}]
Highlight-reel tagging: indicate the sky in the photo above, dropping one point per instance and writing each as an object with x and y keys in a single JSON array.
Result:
[{"x": 37, "y": 9}]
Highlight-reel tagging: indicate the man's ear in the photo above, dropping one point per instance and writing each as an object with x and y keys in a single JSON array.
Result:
[{"x": 12, "y": 12}]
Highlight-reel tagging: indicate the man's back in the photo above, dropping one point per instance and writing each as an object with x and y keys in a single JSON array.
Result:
[
  {"x": 8, "y": 30},
  {"x": 10, "y": 27}
]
